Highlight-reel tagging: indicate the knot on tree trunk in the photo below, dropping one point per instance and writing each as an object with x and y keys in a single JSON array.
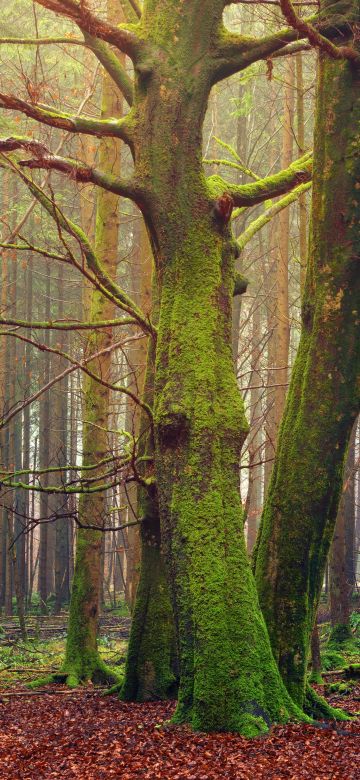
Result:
[
  {"x": 223, "y": 209},
  {"x": 173, "y": 425}
]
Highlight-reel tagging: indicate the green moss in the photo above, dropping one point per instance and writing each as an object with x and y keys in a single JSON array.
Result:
[
  {"x": 352, "y": 671},
  {"x": 315, "y": 677},
  {"x": 341, "y": 688},
  {"x": 317, "y": 707},
  {"x": 229, "y": 680},
  {"x": 150, "y": 664},
  {"x": 340, "y": 638},
  {"x": 301, "y": 506},
  {"x": 332, "y": 660}
]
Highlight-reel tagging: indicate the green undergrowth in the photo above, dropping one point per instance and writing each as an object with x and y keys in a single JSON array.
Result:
[
  {"x": 40, "y": 661},
  {"x": 331, "y": 660},
  {"x": 340, "y": 646},
  {"x": 341, "y": 688}
]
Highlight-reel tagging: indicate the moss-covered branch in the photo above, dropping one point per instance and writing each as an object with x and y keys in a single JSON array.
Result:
[
  {"x": 102, "y": 52},
  {"x": 66, "y": 325},
  {"x": 5, "y": 475},
  {"x": 271, "y": 212},
  {"x": 79, "y": 171},
  {"x": 115, "y": 128},
  {"x": 113, "y": 67},
  {"x": 234, "y": 53},
  {"x": 299, "y": 172},
  {"x": 27, "y": 247},
  {"x": 48, "y": 41}
]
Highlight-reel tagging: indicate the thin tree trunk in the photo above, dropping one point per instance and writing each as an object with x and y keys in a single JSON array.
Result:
[
  {"x": 253, "y": 509},
  {"x": 44, "y": 457},
  {"x": 82, "y": 660},
  {"x": 300, "y": 112},
  {"x": 137, "y": 357}
]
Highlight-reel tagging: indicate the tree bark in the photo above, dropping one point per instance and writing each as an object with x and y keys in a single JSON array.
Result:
[
  {"x": 229, "y": 680},
  {"x": 300, "y": 511},
  {"x": 340, "y": 585}
]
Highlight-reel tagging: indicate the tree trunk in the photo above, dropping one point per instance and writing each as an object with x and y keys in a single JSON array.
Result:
[
  {"x": 300, "y": 511},
  {"x": 340, "y": 585},
  {"x": 200, "y": 427},
  {"x": 82, "y": 661},
  {"x": 62, "y": 584},
  {"x": 253, "y": 502},
  {"x": 141, "y": 274},
  {"x": 301, "y": 146},
  {"x": 44, "y": 458},
  {"x": 229, "y": 680},
  {"x": 350, "y": 525},
  {"x": 151, "y": 664}
]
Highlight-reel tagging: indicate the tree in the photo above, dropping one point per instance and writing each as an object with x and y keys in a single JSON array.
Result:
[
  {"x": 228, "y": 676},
  {"x": 323, "y": 401},
  {"x": 341, "y": 584}
]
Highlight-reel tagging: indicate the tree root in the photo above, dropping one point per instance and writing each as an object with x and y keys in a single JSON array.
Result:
[
  {"x": 70, "y": 676},
  {"x": 316, "y": 677},
  {"x": 317, "y": 707},
  {"x": 117, "y": 688}
]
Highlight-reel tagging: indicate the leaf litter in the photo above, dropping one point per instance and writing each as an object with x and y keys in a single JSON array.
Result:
[{"x": 85, "y": 736}]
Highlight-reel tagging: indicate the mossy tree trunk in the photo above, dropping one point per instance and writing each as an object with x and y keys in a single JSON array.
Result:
[
  {"x": 300, "y": 511},
  {"x": 228, "y": 678},
  {"x": 341, "y": 585},
  {"x": 151, "y": 663}
]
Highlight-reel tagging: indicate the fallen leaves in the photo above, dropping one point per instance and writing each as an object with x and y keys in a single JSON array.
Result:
[{"x": 86, "y": 737}]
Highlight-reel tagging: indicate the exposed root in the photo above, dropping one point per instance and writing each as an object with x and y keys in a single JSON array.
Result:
[
  {"x": 114, "y": 689},
  {"x": 317, "y": 707},
  {"x": 315, "y": 677},
  {"x": 101, "y": 674}
]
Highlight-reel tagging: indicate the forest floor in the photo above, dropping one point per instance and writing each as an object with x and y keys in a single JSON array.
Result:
[
  {"x": 84, "y": 736},
  {"x": 79, "y": 734}
]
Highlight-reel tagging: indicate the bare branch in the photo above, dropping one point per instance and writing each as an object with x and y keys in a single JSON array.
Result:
[
  {"x": 124, "y": 39},
  {"x": 306, "y": 30},
  {"x": 58, "y": 378},
  {"x": 83, "y": 367},
  {"x": 109, "y": 285}
]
